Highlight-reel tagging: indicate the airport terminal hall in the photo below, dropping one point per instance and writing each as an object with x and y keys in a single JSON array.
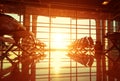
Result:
[{"x": 59, "y": 40}]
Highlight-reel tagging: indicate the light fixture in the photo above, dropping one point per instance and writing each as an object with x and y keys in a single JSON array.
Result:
[{"x": 105, "y": 2}]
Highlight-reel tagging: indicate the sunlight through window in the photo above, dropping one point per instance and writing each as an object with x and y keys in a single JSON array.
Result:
[{"x": 63, "y": 31}]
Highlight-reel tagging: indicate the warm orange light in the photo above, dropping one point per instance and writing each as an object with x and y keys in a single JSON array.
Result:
[
  {"x": 105, "y": 2},
  {"x": 59, "y": 41},
  {"x": 57, "y": 63}
]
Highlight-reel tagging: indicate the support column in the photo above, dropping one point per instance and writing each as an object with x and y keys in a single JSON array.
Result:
[
  {"x": 26, "y": 21},
  {"x": 103, "y": 59},
  {"x": 97, "y": 50},
  {"x": 25, "y": 65}
]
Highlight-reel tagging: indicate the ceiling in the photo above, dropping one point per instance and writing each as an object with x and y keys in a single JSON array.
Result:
[
  {"x": 113, "y": 6},
  {"x": 88, "y": 4}
]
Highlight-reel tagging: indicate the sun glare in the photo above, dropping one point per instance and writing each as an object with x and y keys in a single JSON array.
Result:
[{"x": 59, "y": 41}]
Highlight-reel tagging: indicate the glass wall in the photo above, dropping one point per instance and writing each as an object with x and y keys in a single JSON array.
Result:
[{"x": 58, "y": 33}]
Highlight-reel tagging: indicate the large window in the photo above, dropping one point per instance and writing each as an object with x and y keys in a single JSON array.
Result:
[{"x": 58, "y": 33}]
